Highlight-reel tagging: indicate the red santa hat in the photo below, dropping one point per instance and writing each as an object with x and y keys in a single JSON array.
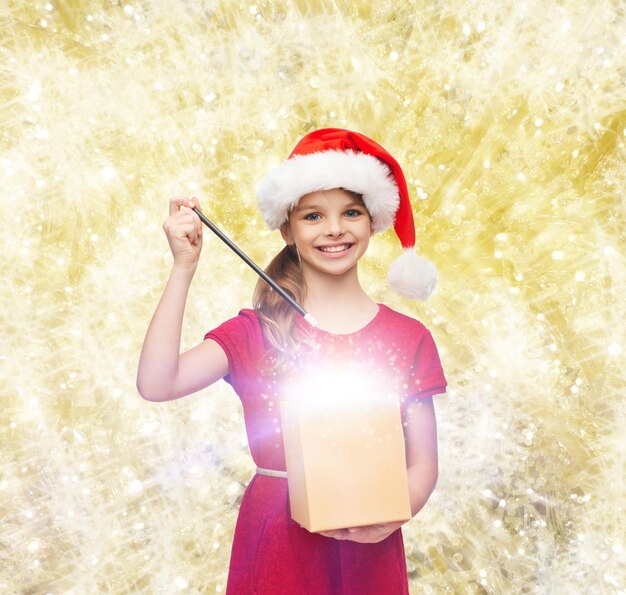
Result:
[{"x": 336, "y": 158}]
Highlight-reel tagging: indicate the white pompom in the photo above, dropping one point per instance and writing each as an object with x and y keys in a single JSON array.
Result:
[{"x": 412, "y": 276}]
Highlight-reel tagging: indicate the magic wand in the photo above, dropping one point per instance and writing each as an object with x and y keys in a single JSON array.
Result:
[{"x": 220, "y": 234}]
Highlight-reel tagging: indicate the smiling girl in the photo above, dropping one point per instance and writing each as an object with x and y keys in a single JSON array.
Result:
[{"x": 327, "y": 199}]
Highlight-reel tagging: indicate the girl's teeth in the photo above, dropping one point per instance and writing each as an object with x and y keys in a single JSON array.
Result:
[{"x": 335, "y": 248}]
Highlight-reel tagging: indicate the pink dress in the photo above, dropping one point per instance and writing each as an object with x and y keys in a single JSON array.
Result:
[{"x": 271, "y": 554}]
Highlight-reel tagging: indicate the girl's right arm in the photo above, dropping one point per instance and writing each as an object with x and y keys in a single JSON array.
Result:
[{"x": 165, "y": 374}]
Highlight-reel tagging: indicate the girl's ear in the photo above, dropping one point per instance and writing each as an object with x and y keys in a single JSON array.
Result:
[{"x": 286, "y": 233}]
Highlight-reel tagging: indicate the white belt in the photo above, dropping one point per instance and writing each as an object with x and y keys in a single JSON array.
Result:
[{"x": 271, "y": 472}]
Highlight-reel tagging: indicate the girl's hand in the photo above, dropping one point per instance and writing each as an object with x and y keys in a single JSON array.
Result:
[
  {"x": 183, "y": 229},
  {"x": 367, "y": 534}
]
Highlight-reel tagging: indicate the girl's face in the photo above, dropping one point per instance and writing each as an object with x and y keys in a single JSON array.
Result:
[{"x": 331, "y": 230}]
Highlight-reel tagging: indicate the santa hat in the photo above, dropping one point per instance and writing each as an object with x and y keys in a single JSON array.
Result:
[{"x": 336, "y": 158}]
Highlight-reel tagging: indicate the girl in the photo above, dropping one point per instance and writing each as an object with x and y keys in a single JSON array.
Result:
[{"x": 334, "y": 191}]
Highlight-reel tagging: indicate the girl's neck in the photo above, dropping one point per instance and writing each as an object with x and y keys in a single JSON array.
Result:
[{"x": 339, "y": 303}]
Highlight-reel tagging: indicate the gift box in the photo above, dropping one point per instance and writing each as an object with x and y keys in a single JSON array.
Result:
[{"x": 346, "y": 463}]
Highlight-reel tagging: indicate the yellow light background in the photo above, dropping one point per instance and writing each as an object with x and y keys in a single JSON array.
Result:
[{"x": 509, "y": 120}]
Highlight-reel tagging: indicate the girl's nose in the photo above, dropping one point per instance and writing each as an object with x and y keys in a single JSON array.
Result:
[{"x": 334, "y": 226}]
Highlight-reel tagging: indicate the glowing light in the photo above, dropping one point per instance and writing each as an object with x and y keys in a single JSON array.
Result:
[{"x": 331, "y": 387}]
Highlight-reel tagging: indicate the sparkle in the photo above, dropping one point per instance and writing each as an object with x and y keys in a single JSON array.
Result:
[
  {"x": 33, "y": 546},
  {"x": 614, "y": 349},
  {"x": 609, "y": 251},
  {"x": 135, "y": 487},
  {"x": 108, "y": 172},
  {"x": 180, "y": 583},
  {"x": 34, "y": 92}
]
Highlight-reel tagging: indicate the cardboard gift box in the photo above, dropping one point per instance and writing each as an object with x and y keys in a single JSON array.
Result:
[{"x": 346, "y": 464}]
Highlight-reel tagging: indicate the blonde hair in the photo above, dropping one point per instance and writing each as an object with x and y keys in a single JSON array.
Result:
[{"x": 277, "y": 316}]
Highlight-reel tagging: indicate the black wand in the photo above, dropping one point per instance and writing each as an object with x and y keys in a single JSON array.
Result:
[{"x": 220, "y": 234}]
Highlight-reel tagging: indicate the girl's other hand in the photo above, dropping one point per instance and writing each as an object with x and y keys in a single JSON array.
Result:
[
  {"x": 367, "y": 534},
  {"x": 183, "y": 229}
]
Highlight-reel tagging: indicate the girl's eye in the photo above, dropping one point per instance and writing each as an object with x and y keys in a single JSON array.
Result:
[
  {"x": 311, "y": 217},
  {"x": 353, "y": 213}
]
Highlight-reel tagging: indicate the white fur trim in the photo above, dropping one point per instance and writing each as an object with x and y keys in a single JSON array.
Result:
[
  {"x": 412, "y": 276},
  {"x": 364, "y": 174}
]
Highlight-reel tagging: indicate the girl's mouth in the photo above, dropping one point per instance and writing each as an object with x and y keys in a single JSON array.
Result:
[{"x": 335, "y": 249}]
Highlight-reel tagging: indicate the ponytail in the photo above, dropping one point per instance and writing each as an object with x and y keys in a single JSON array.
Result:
[{"x": 277, "y": 316}]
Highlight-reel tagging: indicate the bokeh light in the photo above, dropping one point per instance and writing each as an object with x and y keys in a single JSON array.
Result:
[{"x": 509, "y": 119}]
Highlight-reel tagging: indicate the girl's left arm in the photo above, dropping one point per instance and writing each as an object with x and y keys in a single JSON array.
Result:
[{"x": 422, "y": 461}]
